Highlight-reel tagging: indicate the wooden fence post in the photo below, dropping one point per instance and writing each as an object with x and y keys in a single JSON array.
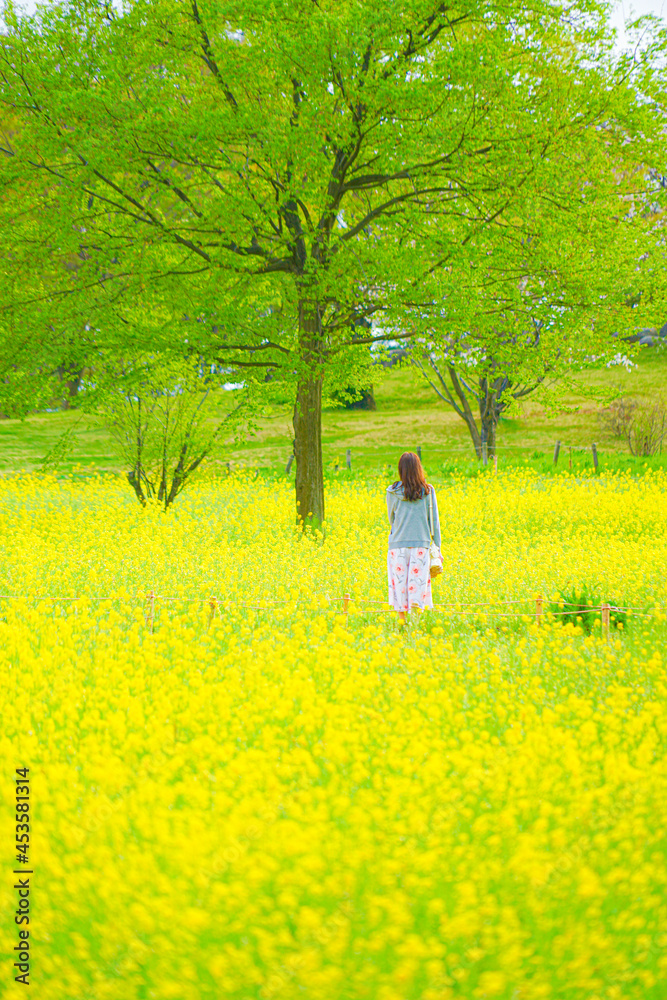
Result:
[
  {"x": 556, "y": 452},
  {"x": 150, "y": 617},
  {"x": 419, "y": 452},
  {"x": 212, "y": 606},
  {"x": 594, "y": 449},
  {"x": 289, "y": 464},
  {"x": 570, "y": 458},
  {"x": 348, "y": 458},
  {"x": 495, "y": 464},
  {"x": 605, "y": 620},
  {"x": 485, "y": 453},
  {"x": 346, "y": 602},
  {"x": 539, "y": 609}
]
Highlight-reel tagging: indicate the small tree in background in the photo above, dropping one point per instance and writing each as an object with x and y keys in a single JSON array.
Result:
[
  {"x": 469, "y": 380},
  {"x": 616, "y": 419},
  {"x": 70, "y": 380},
  {"x": 647, "y": 428},
  {"x": 164, "y": 423}
]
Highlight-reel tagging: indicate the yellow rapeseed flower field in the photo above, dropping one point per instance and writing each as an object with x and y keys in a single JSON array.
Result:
[{"x": 282, "y": 801}]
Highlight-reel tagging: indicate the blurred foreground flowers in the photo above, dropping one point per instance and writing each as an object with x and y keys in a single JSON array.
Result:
[{"x": 283, "y": 803}]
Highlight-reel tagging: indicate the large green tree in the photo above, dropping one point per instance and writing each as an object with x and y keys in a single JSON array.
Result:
[{"x": 250, "y": 181}]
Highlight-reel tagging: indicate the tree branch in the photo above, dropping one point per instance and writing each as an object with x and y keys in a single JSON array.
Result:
[
  {"x": 208, "y": 57},
  {"x": 446, "y": 395},
  {"x": 381, "y": 209}
]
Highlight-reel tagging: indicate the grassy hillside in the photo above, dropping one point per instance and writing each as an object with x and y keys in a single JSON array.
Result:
[{"x": 408, "y": 415}]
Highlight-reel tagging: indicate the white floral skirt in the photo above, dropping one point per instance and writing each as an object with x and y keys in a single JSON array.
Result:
[{"x": 409, "y": 578}]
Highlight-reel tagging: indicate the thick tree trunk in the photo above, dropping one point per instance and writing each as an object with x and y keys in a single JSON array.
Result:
[
  {"x": 308, "y": 453},
  {"x": 308, "y": 424}
]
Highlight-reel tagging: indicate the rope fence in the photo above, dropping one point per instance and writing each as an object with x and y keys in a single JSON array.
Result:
[
  {"x": 544, "y": 448},
  {"x": 498, "y": 451},
  {"x": 537, "y": 606}
]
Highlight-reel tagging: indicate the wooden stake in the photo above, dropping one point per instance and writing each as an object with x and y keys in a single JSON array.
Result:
[
  {"x": 419, "y": 452},
  {"x": 485, "y": 453},
  {"x": 556, "y": 452},
  {"x": 539, "y": 608},
  {"x": 595, "y": 456},
  {"x": 495, "y": 464},
  {"x": 289, "y": 464},
  {"x": 150, "y": 617},
  {"x": 605, "y": 620},
  {"x": 348, "y": 458},
  {"x": 346, "y": 602},
  {"x": 570, "y": 459}
]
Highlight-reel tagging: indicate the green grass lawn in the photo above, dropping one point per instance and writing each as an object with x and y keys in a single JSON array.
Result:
[{"x": 408, "y": 415}]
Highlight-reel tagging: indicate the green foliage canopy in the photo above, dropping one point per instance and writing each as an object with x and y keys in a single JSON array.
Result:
[{"x": 249, "y": 181}]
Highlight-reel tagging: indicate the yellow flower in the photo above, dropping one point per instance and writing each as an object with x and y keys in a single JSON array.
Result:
[{"x": 261, "y": 797}]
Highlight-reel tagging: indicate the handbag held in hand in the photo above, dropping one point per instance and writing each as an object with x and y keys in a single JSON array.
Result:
[{"x": 434, "y": 557}]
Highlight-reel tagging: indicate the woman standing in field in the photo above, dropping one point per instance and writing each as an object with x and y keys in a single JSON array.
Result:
[{"x": 409, "y": 500}]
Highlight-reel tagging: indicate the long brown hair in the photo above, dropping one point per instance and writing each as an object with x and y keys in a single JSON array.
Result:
[{"x": 412, "y": 476}]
